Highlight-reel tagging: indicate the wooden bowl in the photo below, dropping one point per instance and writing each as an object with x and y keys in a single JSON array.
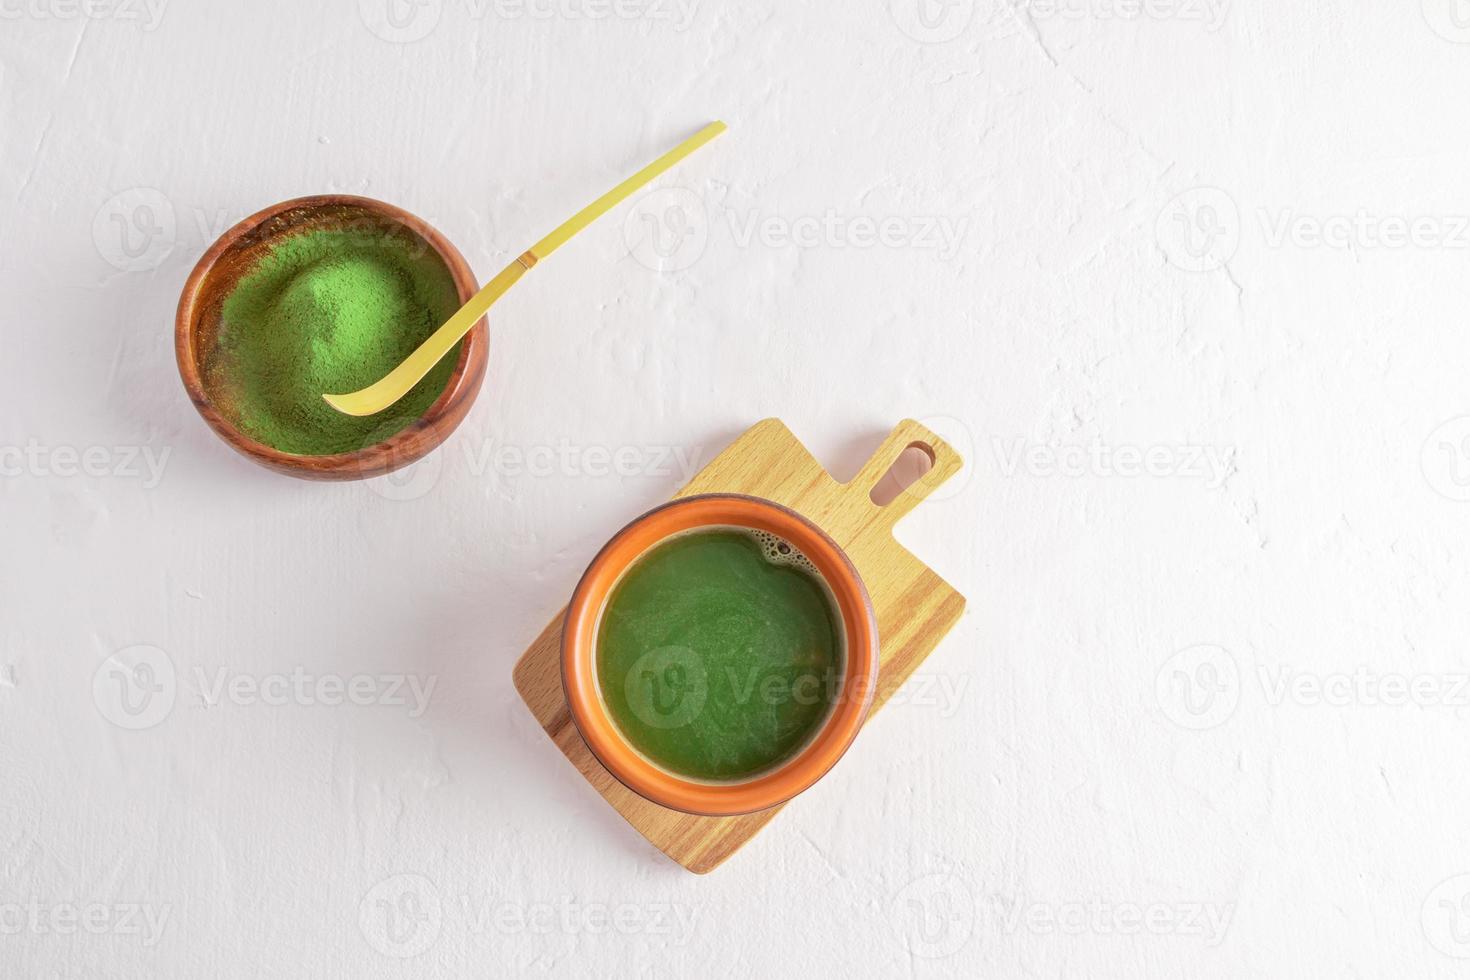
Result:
[
  {"x": 235, "y": 253},
  {"x": 853, "y": 700}
]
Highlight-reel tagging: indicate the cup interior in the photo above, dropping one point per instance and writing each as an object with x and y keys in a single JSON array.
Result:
[{"x": 831, "y": 737}]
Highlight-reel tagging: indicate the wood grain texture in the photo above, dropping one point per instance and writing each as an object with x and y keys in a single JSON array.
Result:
[{"x": 915, "y": 607}]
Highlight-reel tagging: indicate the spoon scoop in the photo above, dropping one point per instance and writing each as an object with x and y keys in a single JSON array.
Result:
[{"x": 400, "y": 381}]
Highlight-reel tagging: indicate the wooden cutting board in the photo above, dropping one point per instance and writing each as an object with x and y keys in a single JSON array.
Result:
[{"x": 915, "y": 607}]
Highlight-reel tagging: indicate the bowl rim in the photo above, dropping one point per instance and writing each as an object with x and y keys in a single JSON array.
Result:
[
  {"x": 830, "y": 741},
  {"x": 401, "y": 449}
]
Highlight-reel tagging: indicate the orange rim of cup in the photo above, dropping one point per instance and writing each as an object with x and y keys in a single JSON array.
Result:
[{"x": 786, "y": 779}]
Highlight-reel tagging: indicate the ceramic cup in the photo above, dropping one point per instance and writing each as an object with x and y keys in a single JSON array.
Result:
[{"x": 854, "y": 695}]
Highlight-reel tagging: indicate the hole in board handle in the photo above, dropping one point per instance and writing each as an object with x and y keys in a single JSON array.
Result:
[{"x": 909, "y": 468}]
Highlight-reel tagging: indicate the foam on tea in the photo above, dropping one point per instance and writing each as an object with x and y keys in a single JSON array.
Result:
[{"x": 720, "y": 653}]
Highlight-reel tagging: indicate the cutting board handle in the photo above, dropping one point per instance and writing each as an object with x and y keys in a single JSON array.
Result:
[{"x": 908, "y": 433}]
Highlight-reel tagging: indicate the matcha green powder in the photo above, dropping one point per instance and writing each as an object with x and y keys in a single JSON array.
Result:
[{"x": 324, "y": 312}]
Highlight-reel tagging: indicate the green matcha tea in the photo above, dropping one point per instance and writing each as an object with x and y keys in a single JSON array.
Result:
[
  {"x": 328, "y": 311},
  {"x": 720, "y": 653}
]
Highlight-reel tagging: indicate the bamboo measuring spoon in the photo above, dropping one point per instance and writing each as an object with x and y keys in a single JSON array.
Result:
[{"x": 398, "y": 382}]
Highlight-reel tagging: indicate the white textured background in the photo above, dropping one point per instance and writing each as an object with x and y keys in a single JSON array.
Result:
[{"x": 1205, "y": 717}]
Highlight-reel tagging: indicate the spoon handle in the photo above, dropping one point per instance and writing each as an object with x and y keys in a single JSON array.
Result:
[{"x": 400, "y": 381}]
